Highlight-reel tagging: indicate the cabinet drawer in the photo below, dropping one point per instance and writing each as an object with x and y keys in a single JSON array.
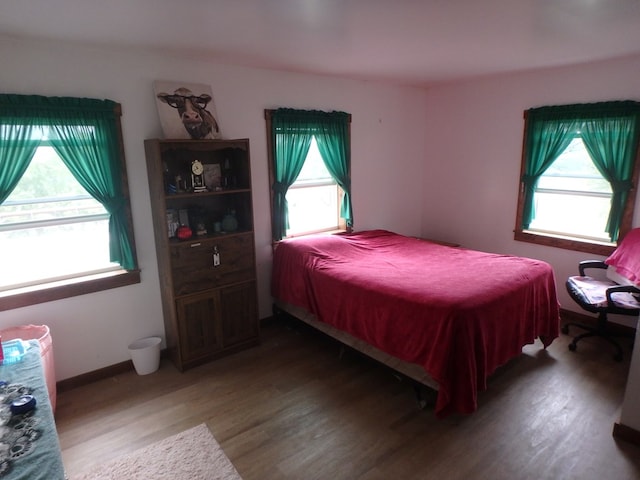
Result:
[{"x": 193, "y": 269}]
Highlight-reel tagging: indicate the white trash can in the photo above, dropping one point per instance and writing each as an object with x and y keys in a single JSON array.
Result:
[{"x": 145, "y": 354}]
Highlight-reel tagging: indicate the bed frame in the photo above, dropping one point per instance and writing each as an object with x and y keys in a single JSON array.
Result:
[{"x": 412, "y": 372}]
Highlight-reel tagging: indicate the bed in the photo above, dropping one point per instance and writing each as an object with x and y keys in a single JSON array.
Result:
[{"x": 446, "y": 317}]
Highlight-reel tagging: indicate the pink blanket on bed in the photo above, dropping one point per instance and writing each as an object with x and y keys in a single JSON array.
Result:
[{"x": 459, "y": 313}]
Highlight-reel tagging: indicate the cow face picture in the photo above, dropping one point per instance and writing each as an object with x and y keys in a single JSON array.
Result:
[{"x": 186, "y": 110}]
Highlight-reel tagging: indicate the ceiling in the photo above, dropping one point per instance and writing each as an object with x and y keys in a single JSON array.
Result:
[{"x": 416, "y": 42}]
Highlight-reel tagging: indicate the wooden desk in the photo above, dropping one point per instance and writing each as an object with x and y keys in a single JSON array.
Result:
[{"x": 29, "y": 446}]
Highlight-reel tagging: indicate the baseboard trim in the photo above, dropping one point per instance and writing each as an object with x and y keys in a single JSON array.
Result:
[
  {"x": 567, "y": 316},
  {"x": 93, "y": 376},
  {"x": 628, "y": 434},
  {"x": 118, "y": 368},
  {"x": 100, "y": 374}
]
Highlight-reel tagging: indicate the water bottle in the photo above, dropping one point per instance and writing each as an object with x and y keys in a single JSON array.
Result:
[{"x": 13, "y": 351}]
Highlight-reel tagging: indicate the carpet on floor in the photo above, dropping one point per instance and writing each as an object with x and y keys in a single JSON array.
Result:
[{"x": 190, "y": 455}]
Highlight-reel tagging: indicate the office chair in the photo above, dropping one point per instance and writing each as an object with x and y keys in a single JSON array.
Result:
[{"x": 619, "y": 293}]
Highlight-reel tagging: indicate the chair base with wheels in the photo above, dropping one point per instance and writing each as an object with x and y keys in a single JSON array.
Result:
[
  {"x": 602, "y": 297},
  {"x": 599, "y": 330}
]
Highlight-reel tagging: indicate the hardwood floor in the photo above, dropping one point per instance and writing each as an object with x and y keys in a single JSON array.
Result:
[{"x": 292, "y": 409}]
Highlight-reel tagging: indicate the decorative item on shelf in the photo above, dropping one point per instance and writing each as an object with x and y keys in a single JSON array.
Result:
[
  {"x": 184, "y": 233},
  {"x": 181, "y": 185},
  {"x": 197, "y": 177},
  {"x": 201, "y": 229},
  {"x": 172, "y": 222},
  {"x": 213, "y": 176},
  {"x": 183, "y": 217},
  {"x": 230, "y": 222},
  {"x": 170, "y": 186},
  {"x": 198, "y": 220},
  {"x": 227, "y": 177}
]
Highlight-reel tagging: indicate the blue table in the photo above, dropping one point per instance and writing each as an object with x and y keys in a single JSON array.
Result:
[{"x": 29, "y": 447}]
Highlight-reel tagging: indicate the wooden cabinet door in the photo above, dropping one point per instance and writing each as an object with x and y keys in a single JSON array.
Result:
[
  {"x": 199, "y": 325},
  {"x": 239, "y": 313}
]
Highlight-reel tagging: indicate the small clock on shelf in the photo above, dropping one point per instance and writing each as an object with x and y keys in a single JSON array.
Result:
[{"x": 197, "y": 176}]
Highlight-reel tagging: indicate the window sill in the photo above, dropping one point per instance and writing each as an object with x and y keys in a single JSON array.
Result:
[
  {"x": 48, "y": 292},
  {"x": 565, "y": 243},
  {"x": 307, "y": 234}
]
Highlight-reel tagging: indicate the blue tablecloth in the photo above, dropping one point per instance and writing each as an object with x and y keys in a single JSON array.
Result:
[{"x": 29, "y": 447}]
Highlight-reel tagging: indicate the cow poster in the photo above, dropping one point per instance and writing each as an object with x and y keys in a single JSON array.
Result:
[{"x": 186, "y": 110}]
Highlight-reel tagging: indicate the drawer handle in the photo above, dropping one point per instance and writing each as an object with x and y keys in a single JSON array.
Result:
[
  {"x": 195, "y": 245},
  {"x": 216, "y": 257}
]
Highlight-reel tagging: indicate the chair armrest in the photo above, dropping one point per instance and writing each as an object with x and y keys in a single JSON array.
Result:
[
  {"x": 582, "y": 266},
  {"x": 621, "y": 288}
]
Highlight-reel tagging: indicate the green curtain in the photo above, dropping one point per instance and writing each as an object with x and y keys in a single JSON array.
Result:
[
  {"x": 84, "y": 132},
  {"x": 548, "y": 134},
  {"x": 291, "y": 138},
  {"x": 333, "y": 144},
  {"x": 610, "y": 132},
  {"x": 612, "y": 143},
  {"x": 291, "y": 134},
  {"x": 16, "y": 151}
]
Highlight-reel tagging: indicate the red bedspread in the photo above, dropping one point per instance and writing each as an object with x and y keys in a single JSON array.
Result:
[{"x": 459, "y": 313}]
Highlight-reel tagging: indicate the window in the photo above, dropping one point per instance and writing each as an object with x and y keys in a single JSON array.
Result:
[
  {"x": 313, "y": 199},
  {"x": 572, "y": 197},
  {"x": 579, "y": 171},
  {"x": 65, "y": 222},
  {"x": 49, "y": 207},
  {"x": 309, "y": 172}
]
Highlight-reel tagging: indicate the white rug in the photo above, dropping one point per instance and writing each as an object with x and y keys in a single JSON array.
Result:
[{"x": 191, "y": 455}]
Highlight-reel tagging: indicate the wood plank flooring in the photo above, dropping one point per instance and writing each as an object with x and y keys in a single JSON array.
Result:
[{"x": 291, "y": 408}]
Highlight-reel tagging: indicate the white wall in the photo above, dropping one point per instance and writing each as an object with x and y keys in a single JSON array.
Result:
[
  {"x": 93, "y": 331},
  {"x": 474, "y": 149}
]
